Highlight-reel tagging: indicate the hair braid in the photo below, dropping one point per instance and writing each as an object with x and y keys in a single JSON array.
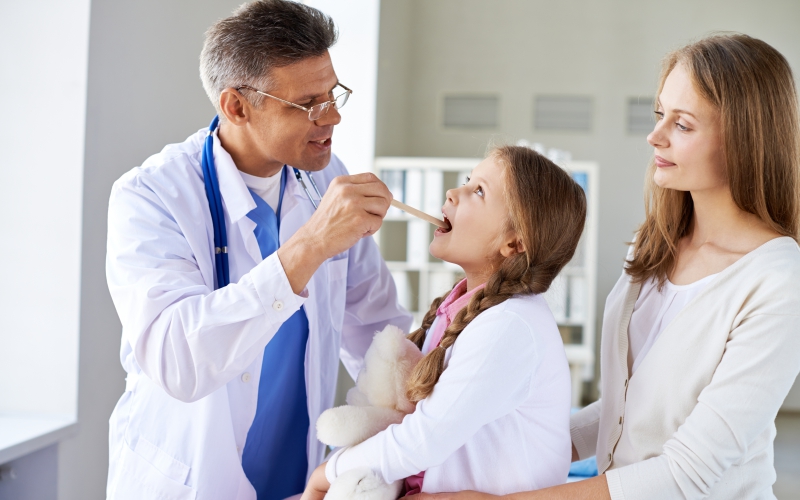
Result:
[
  {"x": 513, "y": 278},
  {"x": 418, "y": 335}
]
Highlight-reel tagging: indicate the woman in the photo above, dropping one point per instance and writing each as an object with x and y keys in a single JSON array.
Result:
[{"x": 701, "y": 334}]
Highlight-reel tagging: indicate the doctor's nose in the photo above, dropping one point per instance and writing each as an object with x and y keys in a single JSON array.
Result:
[{"x": 331, "y": 117}]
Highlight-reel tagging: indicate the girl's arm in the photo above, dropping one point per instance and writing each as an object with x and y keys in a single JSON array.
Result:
[{"x": 488, "y": 376}]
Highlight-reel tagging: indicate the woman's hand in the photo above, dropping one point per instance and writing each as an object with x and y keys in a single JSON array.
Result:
[
  {"x": 461, "y": 495},
  {"x": 318, "y": 484}
]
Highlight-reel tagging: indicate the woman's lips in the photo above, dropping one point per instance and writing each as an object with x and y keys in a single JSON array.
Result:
[{"x": 661, "y": 162}]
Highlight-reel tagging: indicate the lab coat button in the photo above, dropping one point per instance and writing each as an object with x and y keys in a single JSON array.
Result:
[
  {"x": 245, "y": 377},
  {"x": 277, "y": 305}
]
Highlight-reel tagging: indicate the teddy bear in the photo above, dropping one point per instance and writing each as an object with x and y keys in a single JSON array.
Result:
[{"x": 377, "y": 401}]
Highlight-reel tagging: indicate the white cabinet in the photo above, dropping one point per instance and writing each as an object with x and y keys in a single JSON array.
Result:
[{"x": 420, "y": 277}]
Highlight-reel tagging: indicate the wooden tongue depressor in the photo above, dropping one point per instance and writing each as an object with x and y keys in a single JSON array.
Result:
[{"x": 419, "y": 214}]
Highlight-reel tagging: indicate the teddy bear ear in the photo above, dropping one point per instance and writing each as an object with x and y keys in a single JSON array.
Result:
[{"x": 350, "y": 425}]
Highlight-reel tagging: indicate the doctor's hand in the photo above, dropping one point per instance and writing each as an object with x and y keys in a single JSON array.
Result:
[
  {"x": 318, "y": 484},
  {"x": 353, "y": 207}
]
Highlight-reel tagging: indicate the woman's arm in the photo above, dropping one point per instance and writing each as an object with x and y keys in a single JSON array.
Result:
[{"x": 588, "y": 489}]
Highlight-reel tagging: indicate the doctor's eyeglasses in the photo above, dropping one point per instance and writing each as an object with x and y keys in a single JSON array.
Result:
[{"x": 318, "y": 110}]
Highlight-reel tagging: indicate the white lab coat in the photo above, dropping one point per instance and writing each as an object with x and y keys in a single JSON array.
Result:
[{"x": 193, "y": 354}]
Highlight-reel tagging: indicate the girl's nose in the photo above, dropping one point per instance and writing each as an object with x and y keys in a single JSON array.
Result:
[{"x": 452, "y": 196}]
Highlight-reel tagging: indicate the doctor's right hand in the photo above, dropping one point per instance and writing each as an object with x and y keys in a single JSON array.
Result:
[{"x": 353, "y": 207}]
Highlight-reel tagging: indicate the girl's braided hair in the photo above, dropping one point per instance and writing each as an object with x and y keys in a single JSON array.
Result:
[{"x": 547, "y": 212}]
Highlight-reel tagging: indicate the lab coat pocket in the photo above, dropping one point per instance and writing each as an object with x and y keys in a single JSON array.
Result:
[
  {"x": 148, "y": 472},
  {"x": 337, "y": 281}
]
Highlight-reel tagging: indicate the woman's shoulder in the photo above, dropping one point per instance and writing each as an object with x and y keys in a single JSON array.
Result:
[
  {"x": 777, "y": 260},
  {"x": 766, "y": 281}
]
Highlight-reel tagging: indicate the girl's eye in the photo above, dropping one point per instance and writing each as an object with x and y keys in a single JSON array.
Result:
[
  {"x": 681, "y": 127},
  {"x": 659, "y": 115},
  {"x": 479, "y": 191}
]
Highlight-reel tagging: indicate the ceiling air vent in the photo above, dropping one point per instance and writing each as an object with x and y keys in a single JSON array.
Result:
[
  {"x": 640, "y": 115},
  {"x": 475, "y": 111},
  {"x": 562, "y": 113}
]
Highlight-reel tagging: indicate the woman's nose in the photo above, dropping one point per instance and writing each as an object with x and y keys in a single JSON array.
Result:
[{"x": 658, "y": 138}]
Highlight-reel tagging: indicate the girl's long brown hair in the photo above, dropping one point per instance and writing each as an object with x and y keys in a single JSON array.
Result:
[
  {"x": 751, "y": 85},
  {"x": 547, "y": 212}
]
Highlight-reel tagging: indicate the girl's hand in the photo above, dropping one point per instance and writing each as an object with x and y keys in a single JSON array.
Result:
[
  {"x": 318, "y": 484},
  {"x": 461, "y": 495}
]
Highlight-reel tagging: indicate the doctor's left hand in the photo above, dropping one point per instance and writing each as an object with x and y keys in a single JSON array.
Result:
[{"x": 318, "y": 485}]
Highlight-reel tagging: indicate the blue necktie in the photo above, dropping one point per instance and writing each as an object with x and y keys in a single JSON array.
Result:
[{"x": 275, "y": 458}]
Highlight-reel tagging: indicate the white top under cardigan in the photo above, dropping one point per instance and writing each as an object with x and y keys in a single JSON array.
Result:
[
  {"x": 497, "y": 420},
  {"x": 696, "y": 420},
  {"x": 654, "y": 311}
]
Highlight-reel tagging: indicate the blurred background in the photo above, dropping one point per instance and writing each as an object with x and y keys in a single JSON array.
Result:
[{"x": 92, "y": 88}]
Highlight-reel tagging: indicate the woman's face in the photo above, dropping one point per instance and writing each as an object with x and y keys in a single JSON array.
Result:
[
  {"x": 687, "y": 138},
  {"x": 477, "y": 213}
]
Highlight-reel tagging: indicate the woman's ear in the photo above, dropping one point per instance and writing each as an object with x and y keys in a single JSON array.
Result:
[{"x": 512, "y": 246}]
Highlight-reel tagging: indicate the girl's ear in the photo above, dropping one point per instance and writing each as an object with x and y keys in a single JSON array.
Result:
[{"x": 512, "y": 246}]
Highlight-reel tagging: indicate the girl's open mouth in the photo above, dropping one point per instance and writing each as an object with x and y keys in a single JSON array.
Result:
[{"x": 444, "y": 230}]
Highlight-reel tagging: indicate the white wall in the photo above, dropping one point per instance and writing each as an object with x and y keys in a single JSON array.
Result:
[
  {"x": 607, "y": 49},
  {"x": 355, "y": 60},
  {"x": 144, "y": 92},
  {"x": 43, "y": 52}
]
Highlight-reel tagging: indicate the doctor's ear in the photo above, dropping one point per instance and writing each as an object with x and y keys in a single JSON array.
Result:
[{"x": 234, "y": 106}]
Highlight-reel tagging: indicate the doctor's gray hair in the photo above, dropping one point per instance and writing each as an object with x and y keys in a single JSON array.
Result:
[{"x": 261, "y": 35}]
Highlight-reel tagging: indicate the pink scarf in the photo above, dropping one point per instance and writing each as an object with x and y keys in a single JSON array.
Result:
[{"x": 457, "y": 300}]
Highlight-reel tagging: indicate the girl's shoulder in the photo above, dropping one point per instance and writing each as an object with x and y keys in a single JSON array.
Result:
[{"x": 521, "y": 314}]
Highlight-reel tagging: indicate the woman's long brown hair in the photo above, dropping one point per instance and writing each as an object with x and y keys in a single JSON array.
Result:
[
  {"x": 751, "y": 85},
  {"x": 547, "y": 212}
]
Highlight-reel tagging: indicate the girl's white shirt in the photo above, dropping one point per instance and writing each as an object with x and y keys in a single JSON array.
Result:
[
  {"x": 654, "y": 310},
  {"x": 497, "y": 420}
]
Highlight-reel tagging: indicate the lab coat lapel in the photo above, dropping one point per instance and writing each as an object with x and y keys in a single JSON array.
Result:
[{"x": 236, "y": 199}]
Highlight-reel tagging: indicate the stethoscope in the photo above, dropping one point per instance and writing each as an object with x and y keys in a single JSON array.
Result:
[{"x": 215, "y": 204}]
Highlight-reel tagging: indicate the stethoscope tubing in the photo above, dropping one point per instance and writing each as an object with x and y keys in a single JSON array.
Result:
[{"x": 211, "y": 182}]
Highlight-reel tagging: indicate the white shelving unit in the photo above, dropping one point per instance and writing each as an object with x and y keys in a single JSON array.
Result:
[{"x": 422, "y": 182}]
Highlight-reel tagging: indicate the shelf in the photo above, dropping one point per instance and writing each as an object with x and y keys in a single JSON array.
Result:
[{"x": 21, "y": 435}]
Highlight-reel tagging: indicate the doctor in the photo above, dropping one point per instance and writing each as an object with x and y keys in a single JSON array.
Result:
[{"x": 232, "y": 347}]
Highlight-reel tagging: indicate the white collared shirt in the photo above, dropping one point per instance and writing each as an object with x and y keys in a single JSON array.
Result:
[{"x": 497, "y": 420}]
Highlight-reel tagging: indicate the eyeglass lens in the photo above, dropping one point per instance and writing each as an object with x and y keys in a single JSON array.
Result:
[{"x": 320, "y": 109}]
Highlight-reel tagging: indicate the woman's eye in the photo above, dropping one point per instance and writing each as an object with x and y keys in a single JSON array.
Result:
[
  {"x": 659, "y": 115},
  {"x": 681, "y": 127}
]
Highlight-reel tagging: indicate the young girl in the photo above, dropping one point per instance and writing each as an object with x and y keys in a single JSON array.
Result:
[{"x": 493, "y": 391}]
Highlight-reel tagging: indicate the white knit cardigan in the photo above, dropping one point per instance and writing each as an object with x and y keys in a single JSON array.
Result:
[{"x": 696, "y": 420}]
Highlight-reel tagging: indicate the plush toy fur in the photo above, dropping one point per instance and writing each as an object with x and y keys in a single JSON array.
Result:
[{"x": 377, "y": 401}]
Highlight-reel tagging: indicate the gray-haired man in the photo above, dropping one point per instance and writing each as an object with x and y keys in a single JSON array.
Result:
[{"x": 231, "y": 360}]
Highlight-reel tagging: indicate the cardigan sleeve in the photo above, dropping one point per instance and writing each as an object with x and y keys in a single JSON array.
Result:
[
  {"x": 584, "y": 426},
  {"x": 756, "y": 372},
  {"x": 487, "y": 377}
]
